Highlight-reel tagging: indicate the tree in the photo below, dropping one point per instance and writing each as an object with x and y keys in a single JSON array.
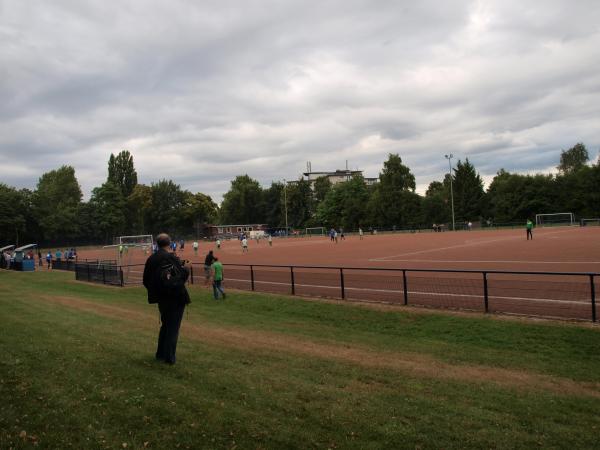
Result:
[
  {"x": 393, "y": 203},
  {"x": 273, "y": 205},
  {"x": 167, "y": 201},
  {"x": 121, "y": 172},
  {"x": 573, "y": 159},
  {"x": 322, "y": 187},
  {"x": 436, "y": 204},
  {"x": 108, "y": 206},
  {"x": 198, "y": 209},
  {"x": 468, "y": 192},
  {"x": 12, "y": 217},
  {"x": 56, "y": 201},
  {"x": 242, "y": 204},
  {"x": 139, "y": 207},
  {"x": 345, "y": 204},
  {"x": 299, "y": 203}
]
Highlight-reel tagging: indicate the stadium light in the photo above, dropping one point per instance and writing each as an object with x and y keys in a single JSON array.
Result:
[{"x": 449, "y": 158}]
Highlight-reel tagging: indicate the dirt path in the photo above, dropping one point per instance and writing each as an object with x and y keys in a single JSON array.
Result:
[{"x": 414, "y": 364}]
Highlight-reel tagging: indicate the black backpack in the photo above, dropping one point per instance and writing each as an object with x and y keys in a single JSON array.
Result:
[{"x": 172, "y": 278}]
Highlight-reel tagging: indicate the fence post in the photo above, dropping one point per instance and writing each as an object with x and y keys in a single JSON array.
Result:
[
  {"x": 292, "y": 277},
  {"x": 405, "y": 288},
  {"x": 342, "y": 283},
  {"x": 103, "y": 274},
  {"x": 88, "y": 273},
  {"x": 121, "y": 276},
  {"x": 593, "y": 292},
  {"x": 252, "y": 276},
  {"x": 191, "y": 273},
  {"x": 485, "y": 292}
]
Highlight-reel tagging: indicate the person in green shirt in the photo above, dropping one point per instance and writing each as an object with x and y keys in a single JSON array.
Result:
[
  {"x": 529, "y": 229},
  {"x": 217, "y": 270}
]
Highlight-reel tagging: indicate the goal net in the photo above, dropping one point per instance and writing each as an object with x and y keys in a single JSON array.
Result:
[
  {"x": 554, "y": 219},
  {"x": 589, "y": 222},
  {"x": 131, "y": 253},
  {"x": 315, "y": 231}
]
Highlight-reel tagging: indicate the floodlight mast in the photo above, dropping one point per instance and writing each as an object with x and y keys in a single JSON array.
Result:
[
  {"x": 449, "y": 158},
  {"x": 285, "y": 204}
]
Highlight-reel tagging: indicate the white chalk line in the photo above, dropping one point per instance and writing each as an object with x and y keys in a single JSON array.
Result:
[
  {"x": 451, "y": 247},
  {"x": 486, "y": 261}
]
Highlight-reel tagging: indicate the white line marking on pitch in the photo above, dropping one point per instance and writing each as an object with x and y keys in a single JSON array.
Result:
[
  {"x": 470, "y": 244},
  {"x": 486, "y": 261},
  {"x": 433, "y": 294}
]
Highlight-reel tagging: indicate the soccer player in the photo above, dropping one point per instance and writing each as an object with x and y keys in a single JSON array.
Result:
[
  {"x": 270, "y": 239},
  {"x": 217, "y": 270},
  {"x": 195, "y": 245},
  {"x": 529, "y": 228},
  {"x": 360, "y": 233},
  {"x": 244, "y": 245},
  {"x": 218, "y": 244}
]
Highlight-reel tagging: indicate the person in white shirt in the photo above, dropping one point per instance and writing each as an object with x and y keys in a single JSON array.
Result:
[{"x": 244, "y": 245}]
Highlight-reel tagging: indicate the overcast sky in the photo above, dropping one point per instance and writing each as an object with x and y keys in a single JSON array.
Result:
[{"x": 202, "y": 91}]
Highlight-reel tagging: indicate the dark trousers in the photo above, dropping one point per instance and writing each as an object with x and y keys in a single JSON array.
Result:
[
  {"x": 529, "y": 234},
  {"x": 170, "y": 317}
]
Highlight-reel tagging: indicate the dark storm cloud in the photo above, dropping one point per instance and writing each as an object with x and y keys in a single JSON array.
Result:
[{"x": 200, "y": 92}]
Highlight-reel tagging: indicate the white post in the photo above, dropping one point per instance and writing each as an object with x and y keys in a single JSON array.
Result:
[{"x": 285, "y": 205}]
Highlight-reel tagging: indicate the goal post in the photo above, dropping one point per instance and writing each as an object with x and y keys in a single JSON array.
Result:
[
  {"x": 554, "y": 219},
  {"x": 315, "y": 231},
  {"x": 589, "y": 222}
]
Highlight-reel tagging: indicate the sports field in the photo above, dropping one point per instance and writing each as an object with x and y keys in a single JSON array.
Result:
[
  {"x": 561, "y": 249},
  {"x": 275, "y": 372}
]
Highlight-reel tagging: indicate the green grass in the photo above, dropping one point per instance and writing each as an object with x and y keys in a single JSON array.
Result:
[{"x": 79, "y": 377}]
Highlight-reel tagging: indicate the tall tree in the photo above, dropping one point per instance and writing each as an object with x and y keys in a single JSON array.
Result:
[
  {"x": 167, "y": 203},
  {"x": 108, "y": 206},
  {"x": 121, "y": 172},
  {"x": 573, "y": 159},
  {"x": 436, "y": 204},
  {"x": 322, "y": 187},
  {"x": 273, "y": 205},
  {"x": 393, "y": 203},
  {"x": 468, "y": 192},
  {"x": 300, "y": 203},
  {"x": 345, "y": 205},
  {"x": 242, "y": 204},
  {"x": 198, "y": 210},
  {"x": 139, "y": 207},
  {"x": 56, "y": 201},
  {"x": 12, "y": 218}
]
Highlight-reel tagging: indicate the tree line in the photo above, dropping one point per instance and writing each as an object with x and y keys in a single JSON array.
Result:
[{"x": 55, "y": 213}]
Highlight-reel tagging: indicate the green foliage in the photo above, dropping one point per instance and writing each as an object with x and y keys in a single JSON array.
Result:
[
  {"x": 273, "y": 199},
  {"x": 56, "y": 202},
  {"x": 300, "y": 203},
  {"x": 197, "y": 210},
  {"x": 242, "y": 204},
  {"x": 167, "y": 204},
  {"x": 12, "y": 215},
  {"x": 345, "y": 205},
  {"x": 139, "y": 207},
  {"x": 573, "y": 159},
  {"x": 322, "y": 187},
  {"x": 108, "y": 209},
  {"x": 468, "y": 192},
  {"x": 121, "y": 172}
]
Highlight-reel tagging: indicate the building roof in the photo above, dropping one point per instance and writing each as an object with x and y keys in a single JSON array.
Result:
[
  {"x": 337, "y": 172},
  {"x": 25, "y": 247},
  {"x": 8, "y": 247}
]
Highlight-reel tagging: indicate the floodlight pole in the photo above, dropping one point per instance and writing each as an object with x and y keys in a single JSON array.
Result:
[
  {"x": 449, "y": 158},
  {"x": 285, "y": 205}
]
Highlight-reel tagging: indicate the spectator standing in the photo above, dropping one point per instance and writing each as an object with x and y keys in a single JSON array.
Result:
[{"x": 217, "y": 271}]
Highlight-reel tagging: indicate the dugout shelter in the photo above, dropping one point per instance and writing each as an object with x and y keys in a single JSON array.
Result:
[
  {"x": 22, "y": 260},
  {"x": 3, "y": 263}
]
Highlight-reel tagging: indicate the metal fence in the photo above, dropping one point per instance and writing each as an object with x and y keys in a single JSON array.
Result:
[
  {"x": 70, "y": 264},
  {"x": 98, "y": 272},
  {"x": 564, "y": 295}
]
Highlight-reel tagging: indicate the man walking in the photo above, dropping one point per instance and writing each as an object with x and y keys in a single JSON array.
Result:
[
  {"x": 217, "y": 270},
  {"x": 207, "y": 265},
  {"x": 529, "y": 227},
  {"x": 164, "y": 278}
]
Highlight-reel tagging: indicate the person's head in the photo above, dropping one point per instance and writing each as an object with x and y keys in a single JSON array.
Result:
[
  {"x": 216, "y": 259},
  {"x": 163, "y": 240},
  {"x": 210, "y": 252}
]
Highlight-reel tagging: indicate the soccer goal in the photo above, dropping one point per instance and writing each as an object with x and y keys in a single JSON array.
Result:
[
  {"x": 589, "y": 222},
  {"x": 315, "y": 231},
  {"x": 131, "y": 252},
  {"x": 554, "y": 219}
]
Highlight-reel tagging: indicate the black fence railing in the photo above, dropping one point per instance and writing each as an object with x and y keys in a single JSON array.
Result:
[
  {"x": 564, "y": 295},
  {"x": 70, "y": 264},
  {"x": 103, "y": 273}
]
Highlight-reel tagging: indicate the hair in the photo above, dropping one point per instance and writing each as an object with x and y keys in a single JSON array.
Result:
[
  {"x": 216, "y": 259},
  {"x": 163, "y": 240},
  {"x": 210, "y": 251}
]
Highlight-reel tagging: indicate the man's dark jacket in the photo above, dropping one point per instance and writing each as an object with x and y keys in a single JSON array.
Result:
[{"x": 157, "y": 294}]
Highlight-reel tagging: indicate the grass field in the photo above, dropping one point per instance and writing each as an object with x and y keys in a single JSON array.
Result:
[{"x": 259, "y": 371}]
